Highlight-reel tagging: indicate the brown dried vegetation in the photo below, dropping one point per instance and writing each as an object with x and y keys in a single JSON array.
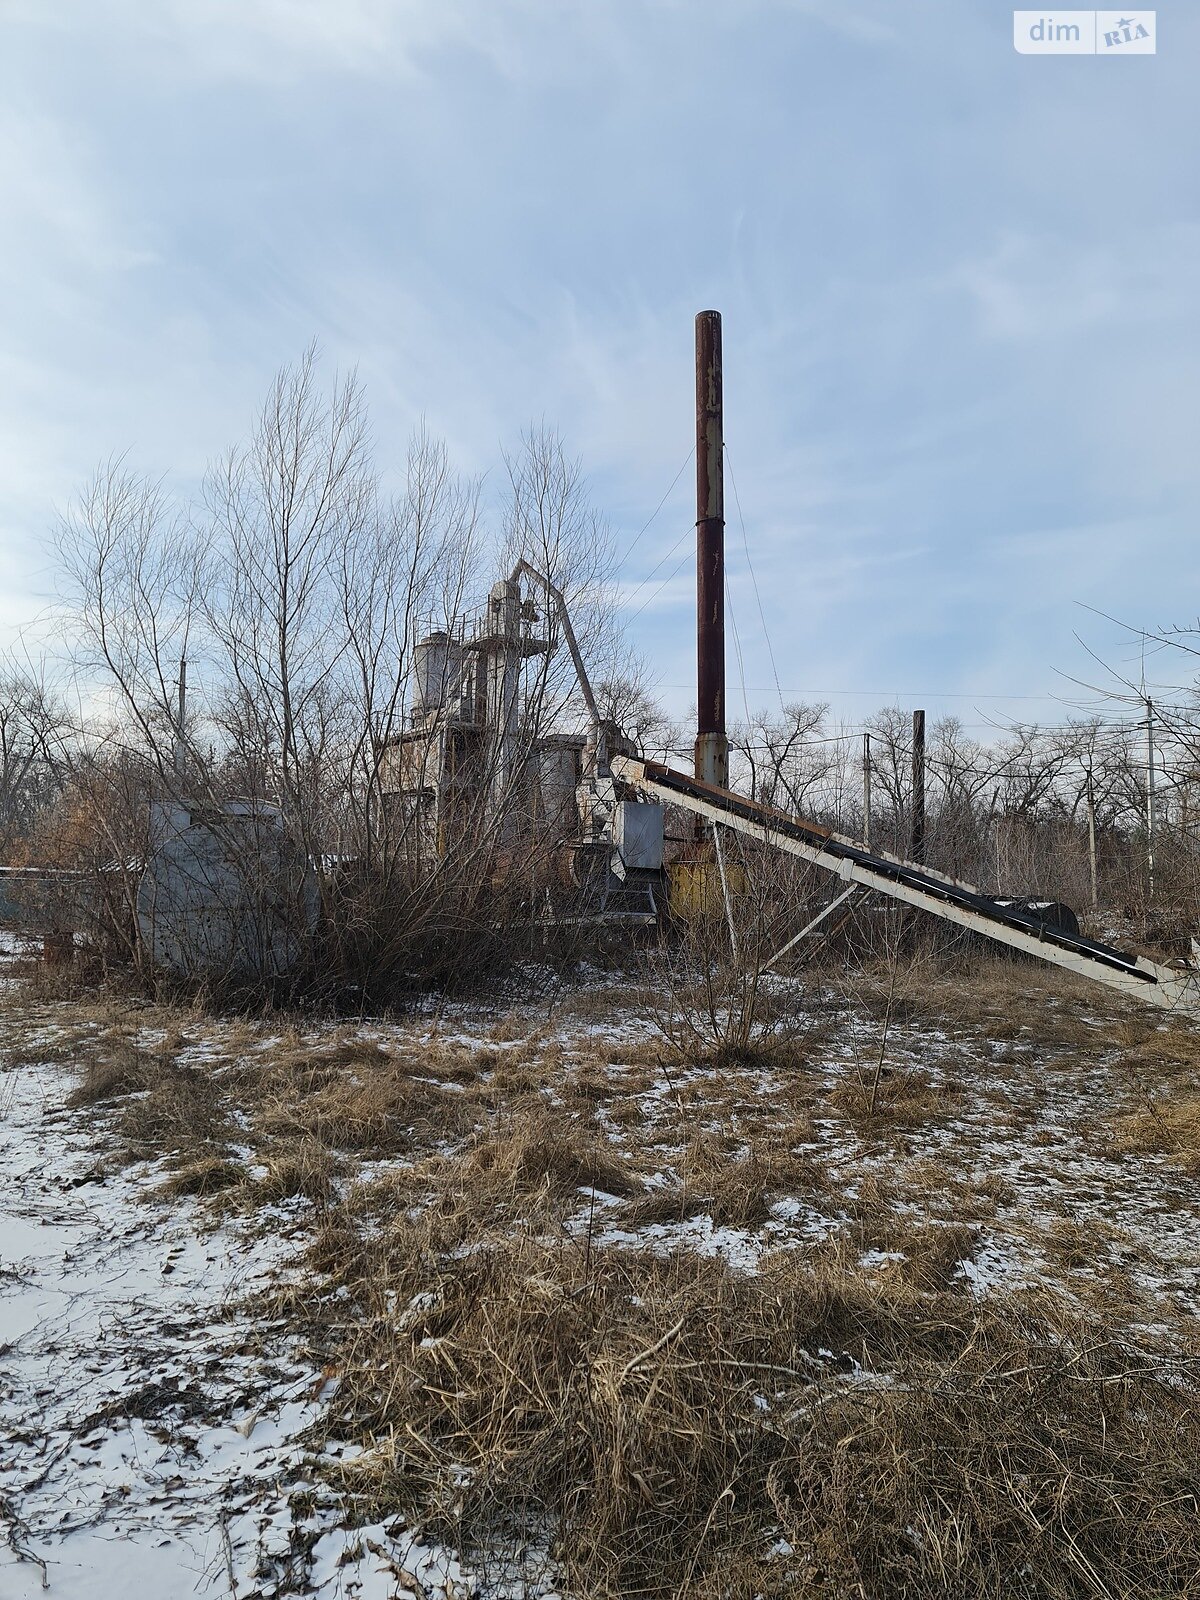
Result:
[
  {"x": 847, "y": 1421},
  {"x": 663, "y": 1423}
]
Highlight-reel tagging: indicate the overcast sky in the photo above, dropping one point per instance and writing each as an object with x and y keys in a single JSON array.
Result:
[{"x": 962, "y": 343}]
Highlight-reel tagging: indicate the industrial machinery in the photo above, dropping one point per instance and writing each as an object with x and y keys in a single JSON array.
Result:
[
  {"x": 225, "y": 892},
  {"x": 1008, "y": 922},
  {"x": 1015, "y": 924},
  {"x": 474, "y": 763}
]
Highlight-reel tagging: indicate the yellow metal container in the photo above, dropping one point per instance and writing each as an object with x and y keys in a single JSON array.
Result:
[{"x": 694, "y": 888}]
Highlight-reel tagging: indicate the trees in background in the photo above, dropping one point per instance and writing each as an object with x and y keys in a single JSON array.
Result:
[
  {"x": 296, "y": 587},
  {"x": 1016, "y": 814},
  {"x": 36, "y": 749}
]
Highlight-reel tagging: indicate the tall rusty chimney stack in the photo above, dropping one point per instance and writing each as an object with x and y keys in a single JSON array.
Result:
[{"x": 712, "y": 747}]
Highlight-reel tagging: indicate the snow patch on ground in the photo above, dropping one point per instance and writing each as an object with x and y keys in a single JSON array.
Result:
[{"x": 152, "y": 1431}]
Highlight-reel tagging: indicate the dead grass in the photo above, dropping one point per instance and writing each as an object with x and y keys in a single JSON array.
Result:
[
  {"x": 209, "y": 1175},
  {"x": 180, "y": 1109},
  {"x": 934, "y": 1254},
  {"x": 349, "y": 1093},
  {"x": 300, "y": 1063},
  {"x": 1159, "y": 1053},
  {"x": 512, "y": 1028},
  {"x": 1167, "y": 1126},
  {"x": 605, "y": 1002},
  {"x": 1071, "y": 1243},
  {"x": 671, "y": 1421},
  {"x": 305, "y": 1169},
  {"x": 928, "y": 1253},
  {"x": 945, "y": 1188},
  {"x": 375, "y": 1116},
  {"x": 122, "y": 1069},
  {"x": 734, "y": 1187},
  {"x": 538, "y": 1150},
  {"x": 902, "y": 1098},
  {"x": 35, "y": 1049},
  {"x": 667, "y": 1421},
  {"x": 1000, "y": 998},
  {"x": 165, "y": 1106}
]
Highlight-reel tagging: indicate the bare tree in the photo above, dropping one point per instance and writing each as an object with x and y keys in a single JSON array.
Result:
[
  {"x": 786, "y": 759},
  {"x": 35, "y": 751}
]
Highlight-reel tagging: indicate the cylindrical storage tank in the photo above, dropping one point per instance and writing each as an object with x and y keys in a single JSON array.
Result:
[
  {"x": 557, "y": 761},
  {"x": 228, "y": 896},
  {"x": 437, "y": 671}
]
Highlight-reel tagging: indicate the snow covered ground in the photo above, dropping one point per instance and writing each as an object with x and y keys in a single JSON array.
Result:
[
  {"x": 160, "y": 1410},
  {"x": 151, "y": 1427}
]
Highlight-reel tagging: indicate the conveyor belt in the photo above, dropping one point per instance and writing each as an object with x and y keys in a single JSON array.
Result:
[{"x": 960, "y": 903}]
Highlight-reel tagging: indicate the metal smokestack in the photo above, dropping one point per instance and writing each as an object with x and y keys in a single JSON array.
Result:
[{"x": 712, "y": 747}]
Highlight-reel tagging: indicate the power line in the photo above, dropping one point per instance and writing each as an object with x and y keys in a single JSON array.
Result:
[
  {"x": 737, "y": 646},
  {"x": 883, "y": 694},
  {"x": 1112, "y": 736},
  {"x": 654, "y": 513},
  {"x": 757, "y": 596},
  {"x": 639, "y": 586},
  {"x": 668, "y": 579}
]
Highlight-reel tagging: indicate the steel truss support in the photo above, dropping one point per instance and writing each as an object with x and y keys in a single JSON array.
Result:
[
  {"x": 811, "y": 927},
  {"x": 1173, "y": 988}
]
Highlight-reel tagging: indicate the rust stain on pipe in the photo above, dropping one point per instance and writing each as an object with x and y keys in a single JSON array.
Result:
[{"x": 711, "y": 754}]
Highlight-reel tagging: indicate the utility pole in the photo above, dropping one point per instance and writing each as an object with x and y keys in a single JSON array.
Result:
[
  {"x": 866, "y": 791},
  {"x": 1091, "y": 805},
  {"x": 917, "y": 852},
  {"x": 712, "y": 747},
  {"x": 1150, "y": 796},
  {"x": 181, "y": 723}
]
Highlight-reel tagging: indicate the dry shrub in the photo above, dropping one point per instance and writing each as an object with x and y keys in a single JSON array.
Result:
[
  {"x": 209, "y": 1175},
  {"x": 735, "y": 1190},
  {"x": 1168, "y": 1126},
  {"x": 304, "y": 1169},
  {"x": 663, "y": 1423},
  {"x": 906, "y": 1098}
]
